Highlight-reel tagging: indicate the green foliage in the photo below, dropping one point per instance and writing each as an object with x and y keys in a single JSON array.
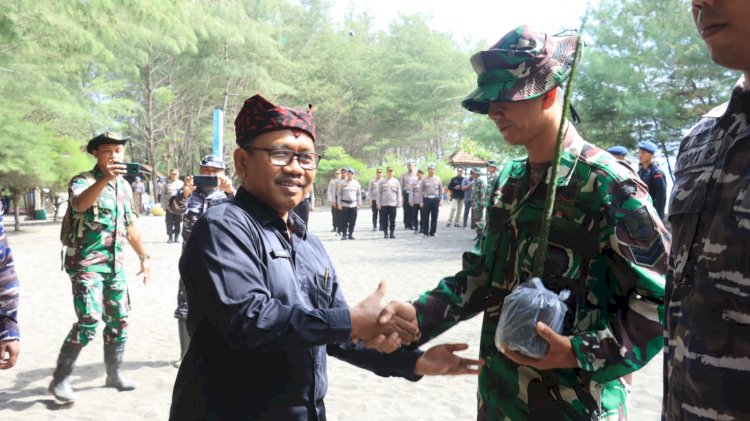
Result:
[
  {"x": 155, "y": 69},
  {"x": 646, "y": 74}
]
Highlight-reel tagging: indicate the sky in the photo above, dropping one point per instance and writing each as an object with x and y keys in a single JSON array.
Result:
[{"x": 475, "y": 19}]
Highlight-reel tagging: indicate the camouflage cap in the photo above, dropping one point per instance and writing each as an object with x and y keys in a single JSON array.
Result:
[
  {"x": 524, "y": 64},
  {"x": 106, "y": 138}
]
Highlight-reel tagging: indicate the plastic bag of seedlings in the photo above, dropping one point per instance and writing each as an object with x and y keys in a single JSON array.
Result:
[{"x": 530, "y": 303}]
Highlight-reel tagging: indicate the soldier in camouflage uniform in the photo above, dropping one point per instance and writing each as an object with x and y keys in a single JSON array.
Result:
[
  {"x": 606, "y": 245},
  {"x": 191, "y": 202},
  {"x": 103, "y": 220},
  {"x": 707, "y": 345},
  {"x": 491, "y": 177},
  {"x": 9, "y": 332},
  {"x": 478, "y": 199}
]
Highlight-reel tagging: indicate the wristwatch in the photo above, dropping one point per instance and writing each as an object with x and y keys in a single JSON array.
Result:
[{"x": 144, "y": 256}]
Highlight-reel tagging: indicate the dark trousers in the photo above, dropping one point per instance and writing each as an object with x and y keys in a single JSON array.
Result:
[
  {"x": 375, "y": 215},
  {"x": 336, "y": 218},
  {"x": 348, "y": 220},
  {"x": 407, "y": 209},
  {"x": 416, "y": 216},
  {"x": 467, "y": 209},
  {"x": 388, "y": 218},
  {"x": 429, "y": 215},
  {"x": 173, "y": 224}
]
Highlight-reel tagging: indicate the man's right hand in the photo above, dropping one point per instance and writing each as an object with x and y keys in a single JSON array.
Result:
[
  {"x": 112, "y": 170},
  {"x": 368, "y": 325},
  {"x": 188, "y": 187}
]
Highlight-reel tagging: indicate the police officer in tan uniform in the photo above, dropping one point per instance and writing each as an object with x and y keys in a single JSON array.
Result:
[
  {"x": 430, "y": 188},
  {"x": 415, "y": 197},
  {"x": 389, "y": 199},
  {"x": 348, "y": 199},
  {"x": 372, "y": 192}
]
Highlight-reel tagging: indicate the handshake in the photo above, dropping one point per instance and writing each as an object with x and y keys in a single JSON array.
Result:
[{"x": 387, "y": 328}]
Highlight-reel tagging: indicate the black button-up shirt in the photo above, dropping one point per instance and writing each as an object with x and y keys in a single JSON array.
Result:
[{"x": 265, "y": 309}]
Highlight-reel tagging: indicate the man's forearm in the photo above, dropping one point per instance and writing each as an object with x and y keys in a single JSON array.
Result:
[{"x": 86, "y": 199}]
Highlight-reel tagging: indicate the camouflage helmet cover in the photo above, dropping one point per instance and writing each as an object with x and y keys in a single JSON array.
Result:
[{"x": 524, "y": 64}]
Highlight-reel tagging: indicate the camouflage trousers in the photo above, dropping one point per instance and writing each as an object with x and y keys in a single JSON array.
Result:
[
  {"x": 477, "y": 211},
  {"x": 99, "y": 295}
]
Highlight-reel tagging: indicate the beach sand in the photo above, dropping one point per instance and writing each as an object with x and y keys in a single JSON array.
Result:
[{"x": 410, "y": 263}]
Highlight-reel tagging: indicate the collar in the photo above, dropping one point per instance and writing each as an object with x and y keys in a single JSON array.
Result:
[
  {"x": 267, "y": 216},
  {"x": 569, "y": 158}
]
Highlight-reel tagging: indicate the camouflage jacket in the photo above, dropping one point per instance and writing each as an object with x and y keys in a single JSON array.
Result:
[
  {"x": 478, "y": 191},
  {"x": 606, "y": 245},
  {"x": 103, "y": 232},
  {"x": 8, "y": 288},
  {"x": 707, "y": 352},
  {"x": 192, "y": 207}
]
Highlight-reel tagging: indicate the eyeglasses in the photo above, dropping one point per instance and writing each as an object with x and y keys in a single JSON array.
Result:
[{"x": 283, "y": 157}]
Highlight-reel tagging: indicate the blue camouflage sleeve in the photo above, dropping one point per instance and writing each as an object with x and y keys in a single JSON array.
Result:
[{"x": 8, "y": 289}]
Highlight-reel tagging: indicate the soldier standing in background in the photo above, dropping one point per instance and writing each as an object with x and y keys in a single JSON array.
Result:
[
  {"x": 331, "y": 192},
  {"x": 389, "y": 199},
  {"x": 478, "y": 202},
  {"x": 191, "y": 202},
  {"x": 372, "y": 192},
  {"x": 103, "y": 219},
  {"x": 652, "y": 175},
  {"x": 491, "y": 177},
  {"x": 348, "y": 200},
  {"x": 171, "y": 188},
  {"x": 707, "y": 341},
  {"x": 415, "y": 198},
  {"x": 431, "y": 187},
  {"x": 406, "y": 180}
]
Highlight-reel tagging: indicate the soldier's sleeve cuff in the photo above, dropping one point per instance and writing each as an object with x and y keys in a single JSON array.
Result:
[
  {"x": 9, "y": 329},
  {"x": 584, "y": 355}
]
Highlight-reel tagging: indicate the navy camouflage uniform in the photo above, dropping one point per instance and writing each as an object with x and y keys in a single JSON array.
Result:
[{"x": 707, "y": 338}]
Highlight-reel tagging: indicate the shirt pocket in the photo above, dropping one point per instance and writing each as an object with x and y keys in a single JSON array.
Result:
[{"x": 323, "y": 291}]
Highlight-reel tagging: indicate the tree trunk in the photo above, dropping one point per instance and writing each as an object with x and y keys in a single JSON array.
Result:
[
  {"x": 149, "y": 134},
  {"x": 16, "y": 208}
]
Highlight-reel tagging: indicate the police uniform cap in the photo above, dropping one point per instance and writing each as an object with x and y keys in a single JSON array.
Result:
[
  {"x": 648, "y": 146},
  {"x": 618, "y": 150},
  {"x": 106, "y": 138},
  {"x": 431, "y": 166}
]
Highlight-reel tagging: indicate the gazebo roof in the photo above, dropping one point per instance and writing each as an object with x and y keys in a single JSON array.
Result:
[{"x": 466, "y": 160}]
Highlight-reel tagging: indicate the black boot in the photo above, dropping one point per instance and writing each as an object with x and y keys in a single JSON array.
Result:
[
  {"x": 60, "y": 387},
  {"x": 392, "y": 236},
  {"x": 184, "y": 340},
  {"x": 385, "y": 234},
  {"x": 113, "y": 361}
]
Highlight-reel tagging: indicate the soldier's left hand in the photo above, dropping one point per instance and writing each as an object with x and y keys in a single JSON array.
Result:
[
  {"x": 145, "y": 270},
  {"x": 560, "y": 354}
]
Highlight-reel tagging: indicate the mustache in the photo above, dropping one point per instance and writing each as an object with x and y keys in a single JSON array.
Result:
[{"x": 299, "y": 181}]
